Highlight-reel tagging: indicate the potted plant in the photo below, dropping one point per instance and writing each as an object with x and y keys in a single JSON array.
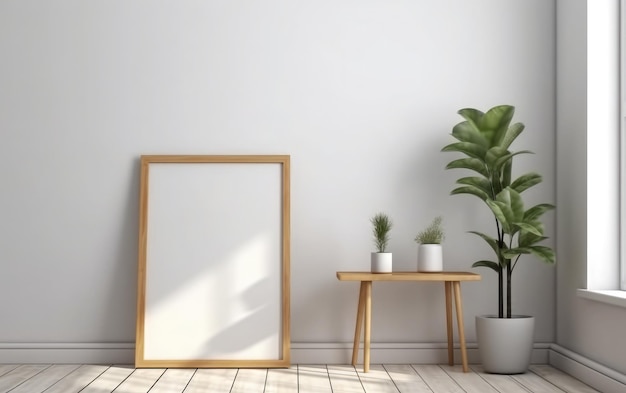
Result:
[
  {"x": 381, "y": 261},
  {"x": 429, "y": 251},
  {"x": 484, "y": 139}
]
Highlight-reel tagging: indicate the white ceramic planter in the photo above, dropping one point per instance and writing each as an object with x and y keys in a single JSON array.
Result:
[
  {"x": 429, "y": 258},
  {"x": 505, "y": 344},
  {"x": 381, "y": 262}
]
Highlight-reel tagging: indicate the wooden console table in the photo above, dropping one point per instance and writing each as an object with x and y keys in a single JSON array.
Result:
[{"x": 364, "y": 311}]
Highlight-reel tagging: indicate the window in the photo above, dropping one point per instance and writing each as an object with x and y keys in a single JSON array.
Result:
[{"x": 606, "y": 152}]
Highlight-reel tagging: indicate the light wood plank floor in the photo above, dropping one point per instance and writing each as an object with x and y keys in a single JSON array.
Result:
[{"x": 63, "y": 378}]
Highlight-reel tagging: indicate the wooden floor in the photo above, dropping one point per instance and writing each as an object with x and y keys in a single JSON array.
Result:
[{"x": 61, "y": 378}]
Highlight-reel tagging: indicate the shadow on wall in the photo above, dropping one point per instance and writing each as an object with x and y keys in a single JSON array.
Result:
[{"x": 120, "y": 309}]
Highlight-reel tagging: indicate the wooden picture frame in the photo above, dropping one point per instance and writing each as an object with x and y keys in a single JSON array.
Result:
[{"x": 213, "y": 263}]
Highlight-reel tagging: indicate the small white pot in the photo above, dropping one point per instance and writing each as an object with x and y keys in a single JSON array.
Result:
[
  {"x": 381, "y": 262},
  {"x": 429, "y": 258}
]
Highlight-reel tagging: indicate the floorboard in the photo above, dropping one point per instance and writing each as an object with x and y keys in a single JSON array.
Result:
[
  {"x": 250, "y": 380},
  {"x": 19, "y": 375},
  {"x": 5, "y": 368},
  {"x": 109, "y": 380},
  {"x": 437, "y": 379},
  {"x": 299, "y": 378},
  {"x": 281, "y": 380},
  {"x": 535, "y": 383},
  {"x": 173, "y": 380},
  {"x": 560, "y": 379},
  {"x": 313, "y": 379},
  {"x": 344, "y": 379},
  {"x": 219, "y": 380},
  {"x": 78, "y": 379},
  {"x": 140, "y": 380},
  {"x": 469, "y": 382},
  {"x": 501, "y": 383},
  {"x": 377, "y": 380},
  {"x": 45, "y": 379},
  {"x": 406, "y": 379}
]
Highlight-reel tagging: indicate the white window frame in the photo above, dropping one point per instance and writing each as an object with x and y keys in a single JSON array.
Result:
[
  {"x": 622, "y": 77},
  {"x": 606, "y": 250}
]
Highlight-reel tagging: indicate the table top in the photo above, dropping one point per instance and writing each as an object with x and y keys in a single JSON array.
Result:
[{"x": 408, "y": 276}]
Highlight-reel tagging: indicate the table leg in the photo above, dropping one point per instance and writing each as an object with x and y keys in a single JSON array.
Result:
[
  {"x": 368, "y": 325},
  {"x": 459, "y": 319},
  {"x": 359, "y": 324},
  {"x": 448, "y": 288}
]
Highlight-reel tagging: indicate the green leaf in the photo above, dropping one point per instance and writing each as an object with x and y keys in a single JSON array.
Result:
[
  {"x": 526, "y": 181},
  {"x": 496, "y": 183},
  {"x": 490, "y": 264},
  {"x": 496, "y": 209},
  {"x": 508, "y": 209},
  {"x": 479, "y": 182},
  {"x": 473, "y": 116},
  {"x": 473, "y": 164},
  {"x": 537, "y": 211},
  {"x": 513, "y": 252},
  {"x": 512, "y": 133},
  {"x": 544, "y": 253},
  {"x": 470, "y": 190},
  {"x": 494, "y": 154},
  {"x": 535, "y": 227},
  {"x": 517, "y": 204},
  {"x": 470, "y": 149},
  {"x": 497, "y": 120},
  {"x": 467, "y": 132},
  {"x": 506, "y": 174},
  {"x": 508, "y": 158},
  {"x": 493, "y": 243},
  {"x": 528, "y": 239}
]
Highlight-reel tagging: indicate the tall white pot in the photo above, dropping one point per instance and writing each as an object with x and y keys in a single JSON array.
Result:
[
  {"x": 505, "y": 344},
  {"x": 429, "y": 258},
  {"x": 381, "y": 262}
]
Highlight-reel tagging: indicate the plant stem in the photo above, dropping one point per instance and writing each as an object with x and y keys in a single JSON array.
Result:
[
  {"x": 515, "y": 263},
  {"x": 509, "y": 272},
  {"x": 500, "y": 272},
  {"x": 500, "y": 294}
]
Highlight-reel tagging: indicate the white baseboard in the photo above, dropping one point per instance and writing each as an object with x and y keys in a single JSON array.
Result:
[
  {"x": 302, "y": 353},
  {"x": 70, "y": 353},
  {"x": 394, "y": 353},
  {"x": 592, "y": 373}
]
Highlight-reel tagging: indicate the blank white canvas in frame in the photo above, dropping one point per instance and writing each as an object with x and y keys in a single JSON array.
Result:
[{"x": 213, "y": 280}]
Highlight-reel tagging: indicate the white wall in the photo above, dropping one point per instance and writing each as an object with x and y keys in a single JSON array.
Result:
[
  {"x": 361, "y": 94},
  {"x": 587, "y": 185}
]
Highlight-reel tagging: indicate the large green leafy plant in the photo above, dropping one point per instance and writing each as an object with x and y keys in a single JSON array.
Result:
[{"x": 484, "y": 139}]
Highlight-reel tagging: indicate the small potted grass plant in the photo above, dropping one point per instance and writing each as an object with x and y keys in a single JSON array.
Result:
[
  {"x": 430, "y": 251},
  {"x": 381, "y": 261}
]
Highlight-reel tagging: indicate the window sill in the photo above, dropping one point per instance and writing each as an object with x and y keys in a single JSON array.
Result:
[{"x": 613, "y": 297}]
